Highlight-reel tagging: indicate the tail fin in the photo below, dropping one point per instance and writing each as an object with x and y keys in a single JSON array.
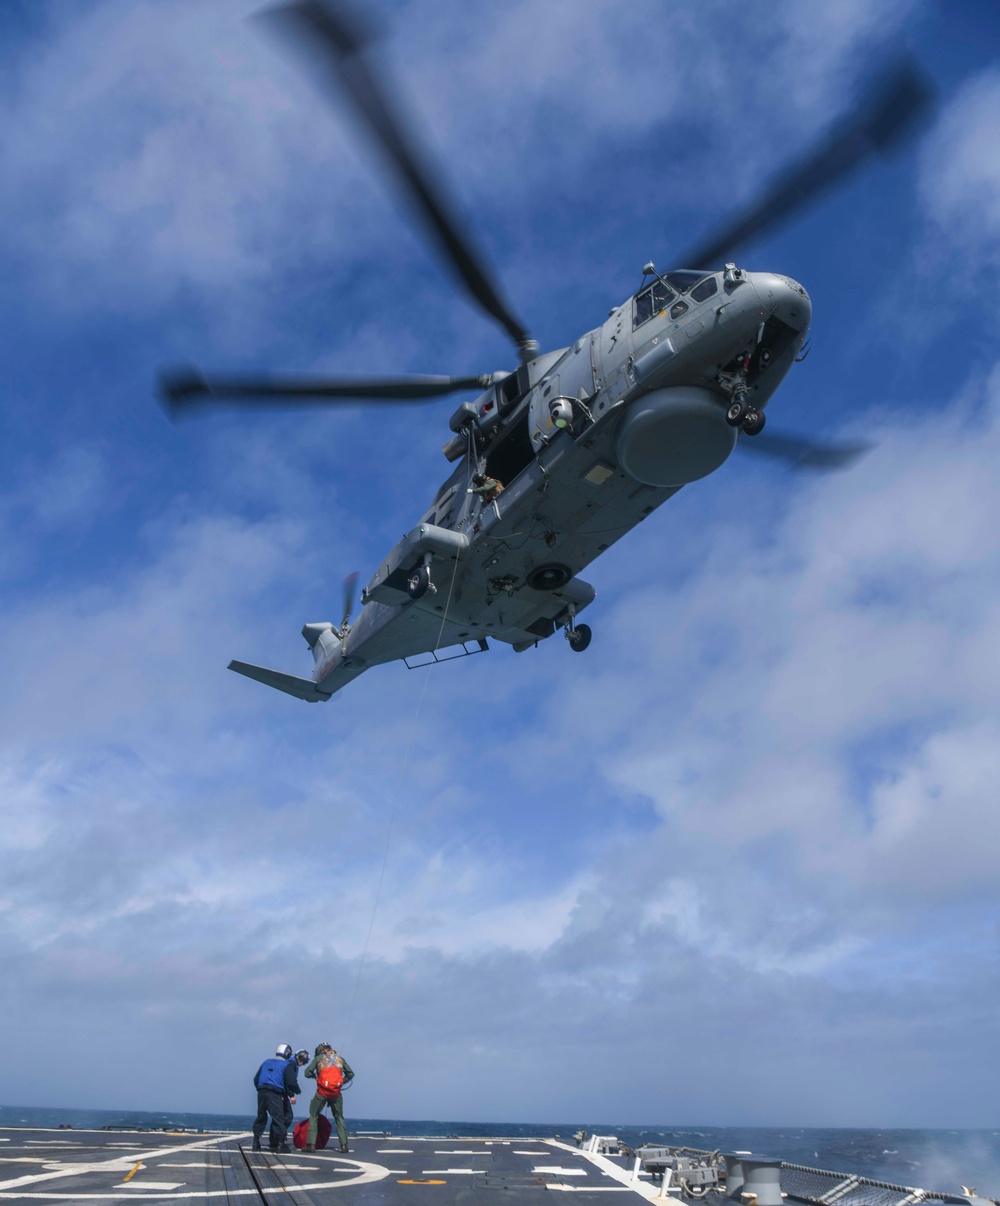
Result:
[{"x": 301, "y": 688}]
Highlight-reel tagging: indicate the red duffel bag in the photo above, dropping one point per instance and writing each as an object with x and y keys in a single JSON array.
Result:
[{"x": 300, "y": 1135}]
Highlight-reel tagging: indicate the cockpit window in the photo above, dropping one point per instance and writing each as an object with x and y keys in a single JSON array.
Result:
[
  {"x": 707, "y": 287},
  {"x": 678, "y": 308},
  {"x": 652, "y": 301},
  {"x": 684, "y": 279}
]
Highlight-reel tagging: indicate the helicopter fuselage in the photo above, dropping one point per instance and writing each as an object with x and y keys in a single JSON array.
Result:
[{"x": 586, "y": 441}]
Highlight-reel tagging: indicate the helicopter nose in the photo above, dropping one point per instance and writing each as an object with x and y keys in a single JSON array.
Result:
[{"x": 784, "y": 298}]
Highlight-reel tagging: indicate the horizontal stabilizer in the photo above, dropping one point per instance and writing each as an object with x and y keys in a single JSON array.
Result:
[{"x": 301, "y": 688}]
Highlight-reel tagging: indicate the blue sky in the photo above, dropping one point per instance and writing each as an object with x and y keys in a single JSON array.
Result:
[{"x": 741, "y": 856}]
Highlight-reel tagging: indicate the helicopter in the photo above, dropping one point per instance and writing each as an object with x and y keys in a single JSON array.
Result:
[{"x": 557, "y": 459}]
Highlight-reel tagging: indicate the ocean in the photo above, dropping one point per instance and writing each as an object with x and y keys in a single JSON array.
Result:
[{"x": 931, "y": 1159}]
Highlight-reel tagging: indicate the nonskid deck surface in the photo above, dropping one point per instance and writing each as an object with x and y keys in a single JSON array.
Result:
[{"x": 115, "y": 1166}]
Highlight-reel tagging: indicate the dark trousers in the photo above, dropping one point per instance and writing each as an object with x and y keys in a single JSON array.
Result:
[{"x": 275, "y": 1103}]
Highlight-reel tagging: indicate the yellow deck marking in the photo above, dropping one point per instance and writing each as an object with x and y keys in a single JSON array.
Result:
[
  {"x": 417, "y": 1181},
  {"x": 129, "y": 1176}
]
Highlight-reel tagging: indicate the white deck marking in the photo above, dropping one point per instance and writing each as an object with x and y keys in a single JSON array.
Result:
[
  {"x": 461, "y": 1151},
  {"x": 155, "y": 1184},
  {"x": 200, "y": 1164},
  {"x": 589, "y": 1188},
  {"x": 365, "y": 1174},
  {"x": 554, "y": 1170},
  {"x": 394, "y": 1151},
  {"x": 523, "y": 1152},
  {"x": 454, "y": 1172}
]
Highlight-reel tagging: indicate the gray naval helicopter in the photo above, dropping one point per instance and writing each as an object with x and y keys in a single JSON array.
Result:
[{"x": 557, "y": 459}]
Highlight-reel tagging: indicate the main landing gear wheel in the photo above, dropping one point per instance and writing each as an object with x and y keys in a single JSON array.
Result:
[
  {"x": 754, "y": 423},
  {"x": 737, "y": 412},
  {"x": 418, "y": 582},
  {"x": 579, "y": 638}
]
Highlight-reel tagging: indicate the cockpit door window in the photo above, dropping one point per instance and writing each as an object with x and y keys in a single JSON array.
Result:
[{"x": 653, "y": 300}]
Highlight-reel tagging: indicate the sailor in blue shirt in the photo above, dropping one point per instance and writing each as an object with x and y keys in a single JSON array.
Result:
[{"x": 277, "y": 1084}]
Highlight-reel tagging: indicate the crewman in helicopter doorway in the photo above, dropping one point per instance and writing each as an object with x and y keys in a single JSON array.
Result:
[
  {"x": 488, "y": 489},
  {"x": 331, "y": 1073}
]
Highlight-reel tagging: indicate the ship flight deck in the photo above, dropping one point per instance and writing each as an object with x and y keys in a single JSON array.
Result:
[{"x": 115, "y": 1166}]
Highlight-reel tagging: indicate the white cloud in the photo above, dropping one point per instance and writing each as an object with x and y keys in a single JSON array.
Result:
[
  {"x": 172, "y": 152},
  {"x": 834, "y": 688}
]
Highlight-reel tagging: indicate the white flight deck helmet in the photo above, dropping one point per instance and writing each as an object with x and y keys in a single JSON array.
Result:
[{"x": 284, "y": 1051}]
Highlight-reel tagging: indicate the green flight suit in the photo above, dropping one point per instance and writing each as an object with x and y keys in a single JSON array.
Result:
[{"x": 336, "y": 1104}]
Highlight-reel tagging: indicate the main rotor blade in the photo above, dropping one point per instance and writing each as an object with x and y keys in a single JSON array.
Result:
[
  {"x": 899, "y": 103},
  {"x": 335, "y": 37},
  {"x": 185, "y": 389},
  {"x": 802, "y": 453}
]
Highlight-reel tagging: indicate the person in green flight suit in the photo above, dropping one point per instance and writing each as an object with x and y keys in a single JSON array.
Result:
[
  {"x": 326, "y": 1058},
  {"x": 486, "y": 487}
]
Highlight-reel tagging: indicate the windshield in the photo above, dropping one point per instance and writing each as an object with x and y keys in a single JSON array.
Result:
[{"x": 683, "y": 279}]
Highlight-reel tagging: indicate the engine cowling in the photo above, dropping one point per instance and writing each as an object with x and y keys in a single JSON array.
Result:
[{"x": 673, "y": 436}]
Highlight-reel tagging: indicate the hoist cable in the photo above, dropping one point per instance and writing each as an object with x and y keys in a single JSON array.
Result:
[{"x": 392, "y": 812}]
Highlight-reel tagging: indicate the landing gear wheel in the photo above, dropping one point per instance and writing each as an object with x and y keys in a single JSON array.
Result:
[
  {"x": 737, "y": 412},
  {"x": 418, "y": 582},
  {"x": 754, "y": 423},
  {"x": 579, "y": 638}
]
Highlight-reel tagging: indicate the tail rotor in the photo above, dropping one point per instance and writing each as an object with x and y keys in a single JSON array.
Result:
[{"x": 350, "y": 598}]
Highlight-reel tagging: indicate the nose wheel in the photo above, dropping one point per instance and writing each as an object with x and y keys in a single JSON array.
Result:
[{"x": 742, "y": 413}]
